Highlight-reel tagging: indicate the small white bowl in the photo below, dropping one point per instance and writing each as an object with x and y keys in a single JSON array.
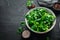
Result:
[{"x": 48, "y": 29}]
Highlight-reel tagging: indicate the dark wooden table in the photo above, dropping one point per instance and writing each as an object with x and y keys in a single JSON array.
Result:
[{"x": 12, "y": 13}]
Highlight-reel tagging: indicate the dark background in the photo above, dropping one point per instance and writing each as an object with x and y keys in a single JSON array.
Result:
[{"x": 12, "y": 13}]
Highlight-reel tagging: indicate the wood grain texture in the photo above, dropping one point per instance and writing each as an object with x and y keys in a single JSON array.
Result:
[{"x": 12, "y": 12}]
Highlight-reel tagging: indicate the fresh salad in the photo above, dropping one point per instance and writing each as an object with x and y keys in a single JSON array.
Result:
[{"x": 40, "y": 19}]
